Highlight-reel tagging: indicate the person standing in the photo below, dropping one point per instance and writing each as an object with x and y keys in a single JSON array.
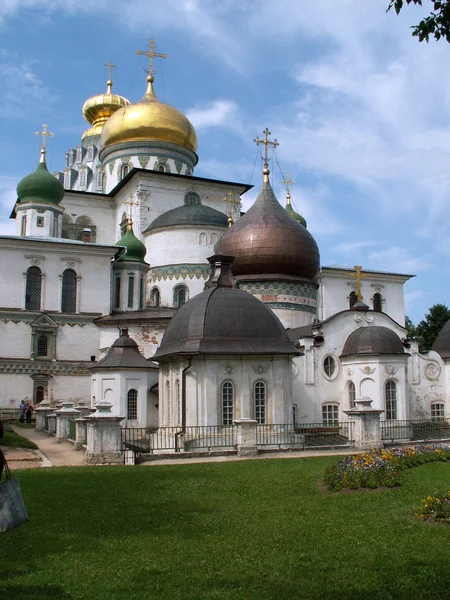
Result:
[
  {"x": 29, "y": 412},
  {"x": 23, "y": 411}
]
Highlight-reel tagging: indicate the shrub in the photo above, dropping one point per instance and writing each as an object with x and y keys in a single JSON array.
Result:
[{"x": 435, "y": 508}]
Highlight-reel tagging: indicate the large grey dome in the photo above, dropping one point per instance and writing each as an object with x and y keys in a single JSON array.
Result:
[
  {"x": 373, "y": 340},
  {"x": 224, "y": 320},
  {"x": 197, "y": 214},
  {"x": 442, "y": 342}
]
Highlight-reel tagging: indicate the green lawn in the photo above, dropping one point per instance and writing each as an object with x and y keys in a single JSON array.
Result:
[
  {"x": 254, "y": 530},
  {"x": 13, "y": 439}
]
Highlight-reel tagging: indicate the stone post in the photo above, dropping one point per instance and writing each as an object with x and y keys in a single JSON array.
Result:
[
  {"x": 51, "y": 423},
  {"x": 62, "y": 419},
  {"x": 246, "y": 437},
  {"x": 84, "y": 408},
  {"x": 366, "y": 428},
  {"x": 80, "y": 433},
  {"x": 104, "y": 436},
  {"x": 43, "y": 410}
]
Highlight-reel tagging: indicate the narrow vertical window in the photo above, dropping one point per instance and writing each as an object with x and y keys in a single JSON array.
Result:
[
  {"x": 178, "y": 401},
  {"x": 155, "y": 298},
  {"x": 117, "y": 293},
  {"x": 391, "y": 401},
  {"x": 352, "y": 299},
  {"x": 33, "y": 289},
  {"x": 141, "y": 293},
  {"x": 168, "y": 405},
  {"x": 227, "y": 403},
  {"x": 180, "y": 295},
  {"x": 259, "y": 393},
  {"x": 39, "y": 394},
  {"x": 377, "y": 302},
  {"x": 294, "y": 415},
  {"x": 132, "y": 405},
  {"x": 130, "y": 291},
  {"x": 42, "y": 345},
  {"x": 125, "y": 171},
  {"x": 69, "y": 291},
  {"x": 23, "y": 225},
  {"x": 330, "y": 414},
  {"x": 351, "y": 394}
]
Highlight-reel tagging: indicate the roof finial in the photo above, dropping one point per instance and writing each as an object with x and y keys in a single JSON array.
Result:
[
  {"x": 130, "y": 203},
  {"x": 232, "y": 202},
  {"x": 358, "y": 275},
  {"x": 287, "y": 182},
  {"x": 110, "y": 66},
  {"x": 266, "y": 143},
  {"x": 45, "y": 134},
  {"x": 151, "y": 55}
]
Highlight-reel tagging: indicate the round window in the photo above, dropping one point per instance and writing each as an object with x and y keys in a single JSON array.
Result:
[{"x": 329, "y": 366}]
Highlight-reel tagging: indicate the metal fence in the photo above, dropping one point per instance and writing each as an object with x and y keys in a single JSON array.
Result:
[
  {"x": 306, "y": 435},
  {"x": 416, "y": 429},
  {"x": 72, "y": 433},
  {"x": 10, "y": 414}
]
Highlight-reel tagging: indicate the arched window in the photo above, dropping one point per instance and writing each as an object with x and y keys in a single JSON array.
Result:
[
  {"x": 124, "y": 172},
  {"x": 227, "y": 394},
  {"x": 69, "y": 291},
  {"x": 202, "y": 239},
  {"x": 39, "y": 394},
  {"x": 161, "y": 168},
  {"x": 132, "y": 405},
  {"x": 180, "y": 295},
  {"x": 168, "y": 406},
  {"x": 437, "y": 411},
  {"x": 351, "y": 394},
  {"x": 330, "y": 414},
  {"x": 100, "y": 180},
  {"x": 42, "y": 345},
  {"x": 178, "y": 401},
  {"x": 391, "y": 400},
  {"x": 123, "y": 224},
  {"x": 23, "y": 226},
  {"x": 155, "y": 297},
  {"x": 83, "y": 178},
  {"x": 329, "y": 366},
  {"x": 213, "y": 239},
  {"x": 259, "y": 393},
  {"x": 192, "y": 199},
  {"x": 33, "y": 289},
  {"x": 377, "y": 302},
  {"x": 352, "y": 299},
  {"x": 141, "y": 293}
]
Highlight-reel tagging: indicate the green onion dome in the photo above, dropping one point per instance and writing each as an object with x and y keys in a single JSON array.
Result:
[
  {"x": 136, "y": 250},
  {"x": 291, "y": 212},
  {"x": 40, "y": 186}
]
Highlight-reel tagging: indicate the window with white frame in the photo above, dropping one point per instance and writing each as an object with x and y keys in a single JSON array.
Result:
[
  {"x": 124, "y": 171},
  {"x": 180, "y": 295},
  {"x": 391, "y": 400},
  {"x": 168, "y": 404},
  {"x": 227, "y": 401},
  {"x": 178, "y": 401},
  {"x": 33, "y": 289},
  {"x": 330, "y": 414},
  {"x": 351, "y": 394},
  {"x": 260, "y": 398},
  {"x": 132, "y": 397},
  {"x": 437, "y": 411},
  {"x": 100, "y": 180}
]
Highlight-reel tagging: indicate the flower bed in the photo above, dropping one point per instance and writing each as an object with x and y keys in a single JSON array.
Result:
[
  {"x": 435, "y": 508},
  {"x": 381, "y": 467}
]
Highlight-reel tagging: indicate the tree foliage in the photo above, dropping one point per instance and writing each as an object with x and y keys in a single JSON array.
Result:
[
  {"x": 436, "y": 25},
  {"x": 427, "y": 330}
]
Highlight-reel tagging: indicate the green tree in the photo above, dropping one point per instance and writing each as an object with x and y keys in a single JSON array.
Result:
[
  {"x": 411, "y": 328},
  {"x": 437, "y": 23},
  {"x": 427, "y": 330}
]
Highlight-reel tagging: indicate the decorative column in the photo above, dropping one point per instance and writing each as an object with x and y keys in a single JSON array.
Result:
[
  {"x": 366, "y": 428},
  {"x": 246, "y": 437},
  {"x": 42, "y": 411},
  {"x": 104, "y": 436},
  {"x": 66, "y": 413}
]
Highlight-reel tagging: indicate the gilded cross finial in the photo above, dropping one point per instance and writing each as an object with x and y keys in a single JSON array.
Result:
[
  {"x": 45, "y": 134},
  {"x": 130, "y": 203},
  {"x": 110, "y": 66},
  {"x": 266, "y": 142},
  {"x": 151, "y": 55},
  {"x": 287, "y": 182},
  {"x": 232, "y": 202},
  {"x": 357, "y": 273}
]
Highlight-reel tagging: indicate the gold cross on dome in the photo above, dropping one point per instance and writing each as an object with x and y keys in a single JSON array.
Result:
[
  {"x": 151, "y": 55},
  {"x": 287, "y": 182},
  {"x": 110, "y": 66},
  {"x": 232, "y": 202},
  {"x": 131, "y": 202},
  {"x": 45, "y": 134},
  {"x": 266, "y": 143},
  {"x": 357, "y": 273}
]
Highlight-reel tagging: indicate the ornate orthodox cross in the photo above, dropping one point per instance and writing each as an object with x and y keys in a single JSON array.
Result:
[
  {"x": 287, "y": 182},
  {"x": 110, "y": 66},
  {"x": 45, "y": 134},
  {"x": 131, "y": 202},
  {"x": 151, "y": 55},
  {"x": 266, "y": 143},
  {"x": 358, "y": 276},
  {"x": 232, "y": 202}
]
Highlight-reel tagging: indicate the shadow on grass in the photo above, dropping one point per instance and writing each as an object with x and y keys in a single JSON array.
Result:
[{"x": 32, "y": 592}]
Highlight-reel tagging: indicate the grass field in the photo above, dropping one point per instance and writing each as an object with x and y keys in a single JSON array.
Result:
[
  {"x": 13, "y": 439},
  {"x": 253, "y": 530}
]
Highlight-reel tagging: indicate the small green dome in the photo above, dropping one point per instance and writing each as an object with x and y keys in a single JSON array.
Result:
[
  {"x": 296, "y": 216},
  {"x": 136, "y": 250},
  {"x": 40, "y": 186}
]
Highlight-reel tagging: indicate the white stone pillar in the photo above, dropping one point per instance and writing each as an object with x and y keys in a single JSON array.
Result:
[
  {"x": 366, "y": 427},
  {"x": 80, "y": 433},
  {"x": 246, "y": 437},
  {"x": 104, "y": 436},
  {"x": 62, "y": 420},
  {"x": 43, "y": 410},
  {"x": 83, "y": 407},
  {"x": 51, "y": 424}
]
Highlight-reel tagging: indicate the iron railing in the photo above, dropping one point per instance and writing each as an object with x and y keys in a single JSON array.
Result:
[
  {"x": 416, "y": 429},
  {"x": 209, "y": 436},
  {"x": 305, "y": 435},
  {"x": 10, "y": 414}
]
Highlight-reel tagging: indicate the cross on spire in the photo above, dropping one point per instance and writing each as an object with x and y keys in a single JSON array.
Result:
[
  {"x": 266, "y": 142},
  {"x": 45, "y": 134},
  {"x": 357, "y": 273},
  {"x": 287, "y": 182},
  {"x": 110, "y": 66},
  {"x": 151, "y": 55},
  {"x": 131, "y": 202},
  {"x": 232, "y": 202}
]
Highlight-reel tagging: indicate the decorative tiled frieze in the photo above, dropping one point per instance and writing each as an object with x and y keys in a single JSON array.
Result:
[
  {"x": 34, "y": 367},
  {"x": 179, "y": 272},
  {"x": 279, "y": 294}
]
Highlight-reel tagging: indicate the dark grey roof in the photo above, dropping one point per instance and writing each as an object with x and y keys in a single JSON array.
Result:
[
  {"x": 137, "y": 316},
  {"x": 442, "y": 342},
  {"x": 196, "y": 214},
  {"x": 297, "y": 333},
  {"x": 124, "y": 354},
  {"x": 373, "y": 340}
]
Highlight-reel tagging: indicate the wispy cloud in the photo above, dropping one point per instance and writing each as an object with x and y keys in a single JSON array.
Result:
[
  {"x": 398, "y": 259},
  {"x": 220, "y": 113}
]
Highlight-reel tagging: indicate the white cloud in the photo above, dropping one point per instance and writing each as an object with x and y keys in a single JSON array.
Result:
[
  {"x": 350, "y": 247},
  {"x": 220, "y": 113},
  {"x": 398, "y": 259}
]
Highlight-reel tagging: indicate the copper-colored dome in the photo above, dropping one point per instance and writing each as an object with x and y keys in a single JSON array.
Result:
[{"x": 266, "y": 240}]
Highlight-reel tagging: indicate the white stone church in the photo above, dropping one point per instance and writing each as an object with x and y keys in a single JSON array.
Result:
[{"x": 120, "y": 240}]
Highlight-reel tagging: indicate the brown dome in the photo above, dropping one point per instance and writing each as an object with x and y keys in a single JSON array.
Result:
[{"x": 266, "y": 240}]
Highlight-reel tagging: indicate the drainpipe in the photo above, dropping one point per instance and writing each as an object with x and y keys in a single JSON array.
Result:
[{"x": 183, "y": 404}]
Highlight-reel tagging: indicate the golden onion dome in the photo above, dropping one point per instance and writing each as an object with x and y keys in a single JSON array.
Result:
[
  {"x": 149, "y": 119},
  {"x": 98, "y": 109}
]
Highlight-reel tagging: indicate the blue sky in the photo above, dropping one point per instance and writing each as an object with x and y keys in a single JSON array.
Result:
[{"x": 360, "y": 108}]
